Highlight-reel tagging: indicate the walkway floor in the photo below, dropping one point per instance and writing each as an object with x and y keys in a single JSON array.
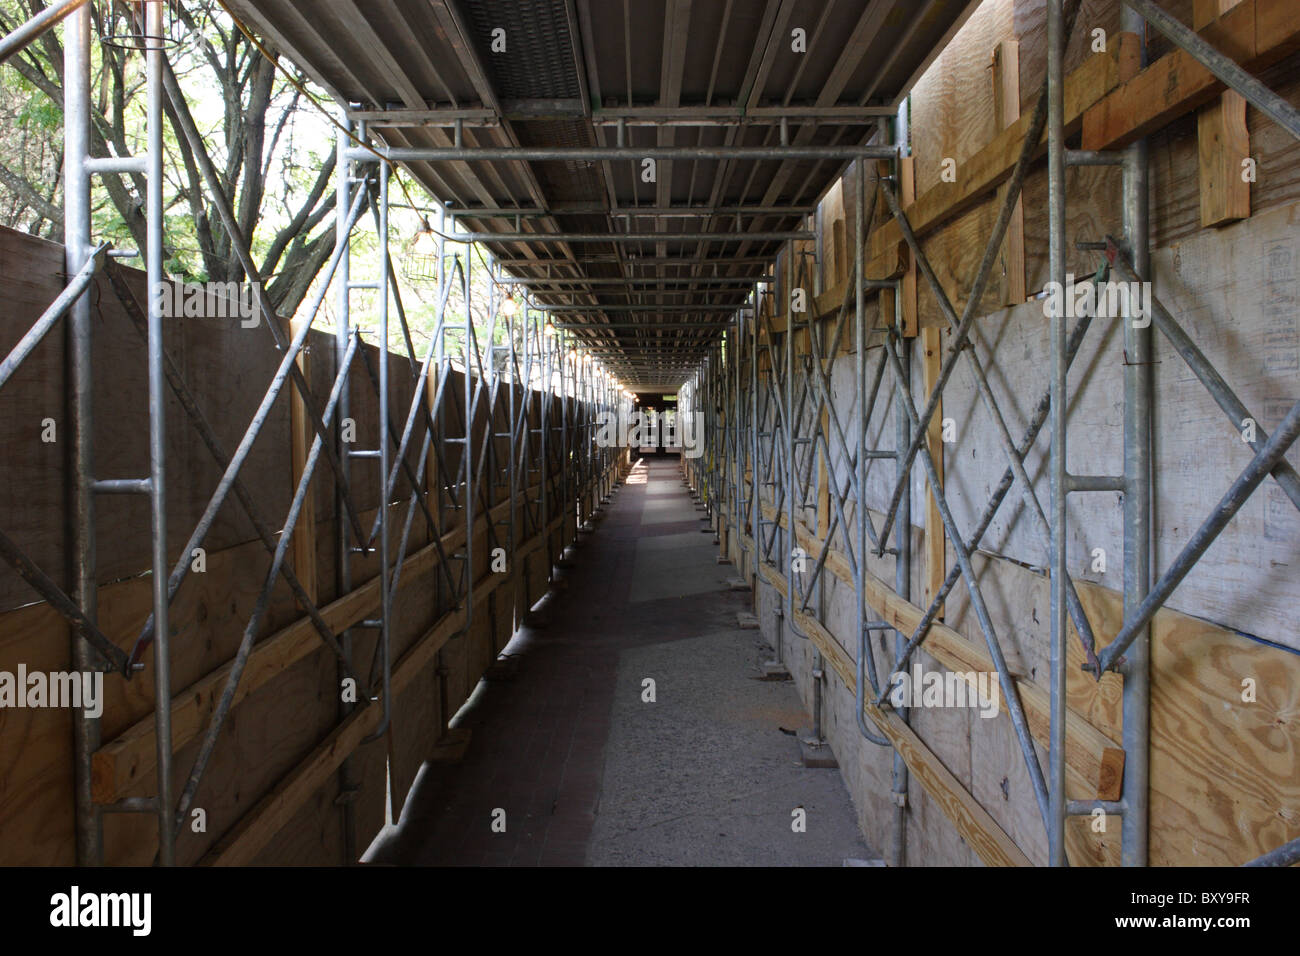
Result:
[{"x": 585, "y": 769}]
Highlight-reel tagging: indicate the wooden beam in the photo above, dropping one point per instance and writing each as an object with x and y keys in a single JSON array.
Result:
[
  {"x": 301, "y": 436},
  {"x": 126, "y": 763},
  {"x": 1222, "y": 140},
  {"x": 907, "y": 289},
  {"x": 240, "y": 846},
  {"x": 977, "y": 827},
  {"x": 268, "y": 816},
  {"x": 1197, "y": 666},
  {"x": 1094, "y": 762},
  {"x": 890, "y": 264},
  {"x": 989, "y": 841},
  {"x": 359, "y": 26},
  {"x": 1255, "y": 33},
  {"x": 988, "y": 168},
  {"x": 936, "y": 553},
  {"x": 1006, "y": 110}
]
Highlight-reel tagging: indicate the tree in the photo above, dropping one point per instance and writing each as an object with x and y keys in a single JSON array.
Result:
[
  {"x": 257, "y": 128},
  {"x": 272, "y": 148}
]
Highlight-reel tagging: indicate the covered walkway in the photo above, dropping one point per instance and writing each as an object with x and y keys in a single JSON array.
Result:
[
  {"x": 365, "y": 583},
  {"x": 589, "y": 773}
]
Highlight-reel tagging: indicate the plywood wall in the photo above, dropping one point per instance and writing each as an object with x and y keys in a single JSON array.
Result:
[
  {"x": 1225, "y": 769},
  {"x": 276, "y": 726}
]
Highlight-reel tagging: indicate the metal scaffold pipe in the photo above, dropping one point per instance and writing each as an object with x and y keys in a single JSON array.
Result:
[
  {"x": 612, "y": 153},
  {"x": 734, "y": 236},
  {"x": 1138, "y": 487},
  {"x": 153, "y": 32},
  {"x": 1221, "y": 65},
  {"x": 76, "y": 241},
  {"x": 1056, "y": 37},
  {"x": 16, "y": 41}
]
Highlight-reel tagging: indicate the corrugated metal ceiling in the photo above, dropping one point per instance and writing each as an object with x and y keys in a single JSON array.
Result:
[{"x": 570, "y": 68}]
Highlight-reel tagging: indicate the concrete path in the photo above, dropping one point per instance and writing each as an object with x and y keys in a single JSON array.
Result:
[{"x": 590, "y": 772}]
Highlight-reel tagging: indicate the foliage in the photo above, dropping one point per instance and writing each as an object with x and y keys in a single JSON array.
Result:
[{"x": 271, "y": 144}]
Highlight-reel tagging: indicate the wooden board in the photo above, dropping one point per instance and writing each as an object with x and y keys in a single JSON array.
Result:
[
  {"x": 35, "y": 745},
  {"x": 205, "y": 349},
  {"x": 1255, "y": 33},
  {"x": 1006, "y": 98},
  {"x": 286, "y": 703},
  {"x": 126, "y": 761},
  {"x": 1223, "y": 141},
  {"x": 1095, "y": 760},
  {"x": 992, "y": 164},
  {"x": 301, "y": 435},
  {"x": 936, "y": 554},
  {"x": 971, "y": 820}
]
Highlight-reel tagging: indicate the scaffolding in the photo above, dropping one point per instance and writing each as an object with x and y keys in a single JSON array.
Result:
[
  {"x": 759, "y": 399},
  {"x": 768, "y": 409},
  {"x": 537, "y": 376}
]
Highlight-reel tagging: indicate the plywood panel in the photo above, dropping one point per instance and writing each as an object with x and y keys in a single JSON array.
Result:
[
  {"x": 285, "y": 713},
  {"x": 206, "y": 351}
]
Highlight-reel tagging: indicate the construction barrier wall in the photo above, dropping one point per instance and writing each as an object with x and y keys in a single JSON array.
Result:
[
  {"x": 271, "y": 792},
  {"x": 1225, "y": 650}
]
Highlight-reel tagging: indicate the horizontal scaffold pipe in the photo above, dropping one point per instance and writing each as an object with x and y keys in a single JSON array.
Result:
[
  {"x": 647, "y": 309},
  {"x": 741, "y": 282},
  {"x": 677, "y": 261},
  {"x": 602, "y": 209},
  {"x": 19, "y": 39},
  {"x": 733, "y": 236},
  {"x": 645, "y": 326},
  {"x": 573, "y": 108},
  {"x": 600, "y": 154}
]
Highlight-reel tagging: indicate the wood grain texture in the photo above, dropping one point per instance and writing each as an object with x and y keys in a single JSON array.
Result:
[
  {"x": 936, "y": 552},
  {"x": 257, "y": 827},
  {"x": 972, "y": 821},
  {"x": 1006, "y": 98},
  {"x": 1255, "y": 33},
  {"x": 1222, "y": 139},
  {"x": 205, "y": 349},
  {"x": 125, "y": 763},
  {"x": 301, "y": 435},
  {"x": 1093, "y": 760}
]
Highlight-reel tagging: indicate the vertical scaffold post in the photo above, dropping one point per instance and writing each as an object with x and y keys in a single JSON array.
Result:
[
  {"x": 1056, "y": 273},
  {"x": 902, "y": 535},
  {"x": 343, "y": 574},
  {"x": 153, "y": 43},
  {"x": 468, "y": 489},
  {"x": 790, "y": 427},
  {"x": 1138, "y": 482},
  {"x": 755, "y": 501},
  {"x": 76, "y": 193}
]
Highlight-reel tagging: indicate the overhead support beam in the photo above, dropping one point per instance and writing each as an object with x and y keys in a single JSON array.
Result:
[
  {"x": 691, "y": 354},
  {"x": 562, "y": 109},
  {"x": 745, "y": 283},
  {"x": 691, "y": 362},
  {"x": 646, "y": 326},
  {"x": 703, "y": 300},
  {"x": 601, "y": 154},
  {"x": 638, "y": 261},
  {"x": 599, "y": 209},
  {"x": 643, "y": 309},
  {"x": 736, "y": 116},
  {"x": 789, "y": 236}
]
